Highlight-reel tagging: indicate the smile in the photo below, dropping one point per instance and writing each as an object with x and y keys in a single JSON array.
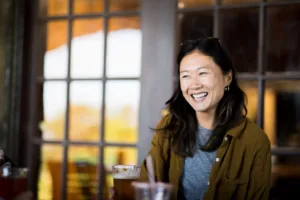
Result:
[{"x": 199, "y": 95}]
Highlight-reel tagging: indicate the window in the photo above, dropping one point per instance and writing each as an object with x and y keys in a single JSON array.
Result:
[
  {"x": 263, "y": 40},
  {"x": 89, "y": 92}
]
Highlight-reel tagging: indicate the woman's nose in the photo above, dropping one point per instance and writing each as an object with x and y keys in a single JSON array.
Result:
[{"x": 196, "y": 83}]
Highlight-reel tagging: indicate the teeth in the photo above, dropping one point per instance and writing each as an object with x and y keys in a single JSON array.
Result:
[{"x": 200, "y": 95}]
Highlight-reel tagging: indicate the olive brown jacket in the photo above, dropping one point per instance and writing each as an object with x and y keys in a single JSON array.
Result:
[{"x": 241, "y": 170}]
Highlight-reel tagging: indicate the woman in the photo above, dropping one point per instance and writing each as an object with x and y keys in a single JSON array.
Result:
[{"x": 206, "y": 146}]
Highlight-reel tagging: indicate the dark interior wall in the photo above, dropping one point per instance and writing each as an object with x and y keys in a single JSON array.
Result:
[
  {"x": 5, "y": 51},
  {"x": 5, "y": 6},
  {"x": 11, "y": 43}
]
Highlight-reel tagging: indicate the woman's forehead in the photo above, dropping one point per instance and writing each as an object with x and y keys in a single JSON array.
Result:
[
  {"x": 196, "y": 61},
  {"x": 196, "y": 57}
]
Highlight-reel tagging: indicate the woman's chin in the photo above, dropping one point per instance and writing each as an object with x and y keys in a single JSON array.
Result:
[{"x": 201, "y": 110}]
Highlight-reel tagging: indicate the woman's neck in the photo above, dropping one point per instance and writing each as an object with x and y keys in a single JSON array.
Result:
[{"x": 206, "y": 120}]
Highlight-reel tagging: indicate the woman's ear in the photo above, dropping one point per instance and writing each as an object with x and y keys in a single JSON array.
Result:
[{"x": 228, "y": 78}]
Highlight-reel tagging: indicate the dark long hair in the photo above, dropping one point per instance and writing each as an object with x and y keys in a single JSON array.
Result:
[{"x": 182, "y": 122}]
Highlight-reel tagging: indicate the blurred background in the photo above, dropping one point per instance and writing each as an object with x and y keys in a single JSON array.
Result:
[{"x": 82, "y": 82}]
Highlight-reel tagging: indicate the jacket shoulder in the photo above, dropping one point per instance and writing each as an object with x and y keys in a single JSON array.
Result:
[
  {"x": 164, "y": 121},
  {"x": 253, "y": 134},
  {"x": 161, "y": 136}
]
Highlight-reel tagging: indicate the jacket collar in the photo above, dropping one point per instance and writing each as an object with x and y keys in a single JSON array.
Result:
[{"x": 238, "y": 129}]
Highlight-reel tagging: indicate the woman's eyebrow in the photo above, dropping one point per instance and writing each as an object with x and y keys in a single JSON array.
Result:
[{"x": 202, "y": 67}]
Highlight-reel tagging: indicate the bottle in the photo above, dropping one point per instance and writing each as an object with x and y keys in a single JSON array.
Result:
[
  {"x": 5, "y": 165},
  {"x": 4, "y": 159}
]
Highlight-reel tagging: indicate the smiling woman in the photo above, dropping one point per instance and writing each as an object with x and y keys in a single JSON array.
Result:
[
  {"x": 202, "y": 84},
  {"x": 206, "y": 146},
  {"x": 205, "y": 67}
]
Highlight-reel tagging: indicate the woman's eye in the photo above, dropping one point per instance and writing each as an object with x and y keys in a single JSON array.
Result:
[
  {"x": 185, "y": 76},
  {"x": 202, "y": 73}
]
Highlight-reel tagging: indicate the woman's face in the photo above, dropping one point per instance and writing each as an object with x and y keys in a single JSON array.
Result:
[{"x": 202, "y": 81}]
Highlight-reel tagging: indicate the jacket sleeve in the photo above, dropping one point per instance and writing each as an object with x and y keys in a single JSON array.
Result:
[
  {"x": 260, "y": 174},
  {"x": 158, "y": 153}
]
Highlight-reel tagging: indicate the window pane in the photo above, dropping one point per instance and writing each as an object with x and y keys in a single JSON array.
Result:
[
  {"x": 239, "y": 1},
  {"x": 57, "y": 7},
  {"x": 85, "y": 104},
  {"x": 54, "y": 100},
  {"x": 194, "y": 3},
  {"x": 118, "y": 155},
  {"x": 239, "y": 34},
  {"x": 282, "y": 118},
  {"x": 270, "y": 114},
  {"x": 56, "y": 56},
  {"x": 122, "y": 103},
  {"x": 124, "y": 47},
  {"x": 87, "y": 49},
  {"x": 283, "y": 39},
  {"x": 82, "y": 172},
  {"x": 195, "y": 25},
  {"x": 124, "y": 5},
  {"x": 88, "y": 6},
  {"x": 50, "y": 172},
  {"x": 285, "y": 177},
  {"x": 251, "y": 91}
]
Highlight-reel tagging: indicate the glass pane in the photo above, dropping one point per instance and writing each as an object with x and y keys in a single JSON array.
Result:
[
  {"x": 122, "y": 103},
  {"x": 118, "y": 25},
  {"x": 283, "y": 39},
  {"x": 239, "y": 1},
  {"x": 118, "y": 155},
  {"x": 124, "y": 47},
  {"x": 124, "y": 5},
  {"x": 50, "y": 172},
  {"x": 87, "y": 48},
  {"x": 56, "y": 56},
  {"x": 285, "y": 177},
  {"x": 282, "y": 107},
  {"x": 83, "y": 172},
  {"x": 194, "y": 3},
  {"x": 58, "y": 7},
  {"x": 239, "y": 35},
  {"x": 270, "y": 114},
  {"x": 54, "y": 100},
  {"x": 88, "y": 6},
  {"x": 251, "y": 91},
  {"x": 85, "y": 104},
  {"x": 194, "y": 25}
]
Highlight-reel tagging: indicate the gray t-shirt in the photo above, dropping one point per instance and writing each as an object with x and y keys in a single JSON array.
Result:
[{"x": 196, "y": 170}]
